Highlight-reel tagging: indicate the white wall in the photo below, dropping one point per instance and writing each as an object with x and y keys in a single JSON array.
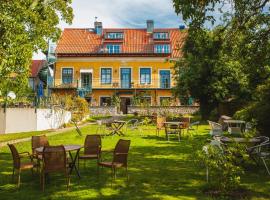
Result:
[
  {"x": 26, "y": 119},
  {"x": 20, "y": 120},
  {"x": 51, "y": 119},
  {"x": 2, "y": 121}
]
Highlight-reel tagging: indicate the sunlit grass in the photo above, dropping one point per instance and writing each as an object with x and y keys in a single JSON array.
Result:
[{"x": 158, "y": 169}]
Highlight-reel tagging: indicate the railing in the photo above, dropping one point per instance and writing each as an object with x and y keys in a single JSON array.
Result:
[
  {"x": 114, "y": 84},
  {"x": 102, "y": 49}
]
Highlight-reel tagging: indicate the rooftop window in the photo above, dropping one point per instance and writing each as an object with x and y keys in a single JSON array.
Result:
[
  {"x": 162, "y": 48},
  {"x": 113, "y": 48},
  {"x": 113, "y": 35},
  {"x": 161, "y": 35}
]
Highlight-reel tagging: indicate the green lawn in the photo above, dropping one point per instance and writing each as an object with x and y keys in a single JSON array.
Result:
[
  {"x": 13, "y": 136},
  {"x": 158, "y": 169}
]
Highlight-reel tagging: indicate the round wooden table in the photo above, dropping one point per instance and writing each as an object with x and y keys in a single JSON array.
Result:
[{"x": 69, "y": 149}]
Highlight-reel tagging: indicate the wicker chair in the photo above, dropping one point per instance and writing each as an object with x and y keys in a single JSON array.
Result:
[
  {"x": 160, "y": 124},
  {"x": 186, "y": 122},
  {"x": 39, "y": 141},
  {"x": 54, "y": 160},
  {"x": 131, "y": 124},
  {"x": 173, "y": 129},
  {"x": 18, "y": 165},
  {"x": 120, "y": 156},
  {"x": 216, "y": 128},
  {"x": 92, "y": 148}
]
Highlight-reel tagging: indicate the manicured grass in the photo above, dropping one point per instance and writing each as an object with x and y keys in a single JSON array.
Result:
[
  {"x": 13, "y": 136},
  {"x": 158, "y": 169}
]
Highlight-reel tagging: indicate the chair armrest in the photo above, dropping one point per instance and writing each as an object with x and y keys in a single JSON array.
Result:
[{"x": 25, "y": 155}]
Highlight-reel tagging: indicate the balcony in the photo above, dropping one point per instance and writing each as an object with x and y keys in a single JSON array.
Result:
[
  {"x": 115, "y": 84},
  {"x": 102, "y": 50}
]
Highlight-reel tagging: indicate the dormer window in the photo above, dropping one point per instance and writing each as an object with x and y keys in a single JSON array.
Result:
[
  {"x": 162, "y": 48},
  {"x": 113, "y": 48},
  {"x": 116, "y": 35},
  {"x": 161, "y": 35}
]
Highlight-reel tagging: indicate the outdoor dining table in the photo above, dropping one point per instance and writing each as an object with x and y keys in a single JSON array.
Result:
[
  {"x": 116, "y": 127},
  {"x": 234, "y": 122},
  {"x": 238, "y": 124},
  {"x": 69, "y": 149},
  {"x": 179, "y": 124}
]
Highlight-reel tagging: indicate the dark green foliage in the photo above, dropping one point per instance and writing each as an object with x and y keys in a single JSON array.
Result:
[{"x": 229, "y": 63}]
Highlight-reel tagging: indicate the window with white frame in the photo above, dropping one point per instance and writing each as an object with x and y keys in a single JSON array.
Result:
[
  {"x": 67, "y": 75},
  {"x": 114, "y": 35},
  {"x": 106, "y": 75},
  {"x": 165, "y": 79},
  {"x": 162, "y": 48},
  {"x": 161, "y": 35},
  {"x": 113, "y": 48},
  {"x": 145, "y": 75}
]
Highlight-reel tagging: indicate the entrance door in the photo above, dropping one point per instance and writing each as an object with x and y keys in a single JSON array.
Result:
[
  {"x": 125, "y": 102},
  {"x": 86, "y": 80}
]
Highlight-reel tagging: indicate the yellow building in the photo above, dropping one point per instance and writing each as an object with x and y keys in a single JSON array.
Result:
[{"x": 100, "y": 63}]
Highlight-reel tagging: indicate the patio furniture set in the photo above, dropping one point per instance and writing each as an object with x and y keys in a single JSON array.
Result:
[
  {"x": 232, "y": 126},
  {"x": 258, "y": 148},
  {"x": 66, "y": 158},
  {"x": 176, "y": 127},
  {"x": 115, "y": 127}
]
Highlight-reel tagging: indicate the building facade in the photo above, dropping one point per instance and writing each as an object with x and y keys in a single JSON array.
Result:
[{"x": 99, "y": 64}]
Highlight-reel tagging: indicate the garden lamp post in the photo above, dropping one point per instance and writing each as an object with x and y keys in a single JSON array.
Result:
[{"x": 10, "y": 95}]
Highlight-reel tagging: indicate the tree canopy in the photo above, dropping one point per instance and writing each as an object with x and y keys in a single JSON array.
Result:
[
  {"x": 229, "y": 62},
  {"x": 25, "y": 27}
]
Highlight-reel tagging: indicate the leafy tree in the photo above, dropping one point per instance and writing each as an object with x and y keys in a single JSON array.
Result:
[
  {"x": 229, "y": 62},
  {"x": 25, "y": 27}
]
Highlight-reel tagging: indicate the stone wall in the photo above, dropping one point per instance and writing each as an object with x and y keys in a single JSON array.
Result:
[
  {"x": 163, "y": 110},
  {"x": 103, "y": 110}
]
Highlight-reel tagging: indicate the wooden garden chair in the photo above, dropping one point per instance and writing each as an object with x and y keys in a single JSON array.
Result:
[
  {"x": 38, "y": 141},
  {"x": 18, "y": 165},
  {"x": 92, "y": 149},
  {"x": 120, "y": 158},
  {"x": 54, "y": 160}
]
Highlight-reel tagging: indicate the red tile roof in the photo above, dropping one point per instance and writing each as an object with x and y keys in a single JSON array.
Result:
[
  {"x": 36, "y": 66},
  {"x": 135, "y": 41}
]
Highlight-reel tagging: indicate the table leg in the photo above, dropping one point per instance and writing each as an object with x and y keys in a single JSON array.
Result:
[{"x": 73, "y": 163}]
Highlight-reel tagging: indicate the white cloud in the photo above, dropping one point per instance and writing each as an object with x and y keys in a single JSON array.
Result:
[{"x": 124, "y": 13}]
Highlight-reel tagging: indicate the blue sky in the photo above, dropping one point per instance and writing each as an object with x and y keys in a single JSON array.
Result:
[{"x": 124, "y": 13}]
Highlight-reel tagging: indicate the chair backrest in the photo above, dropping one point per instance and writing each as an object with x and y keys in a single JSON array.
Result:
[
  {"x": 120, "y": 154},
  {"x": 92, "y": 144},
  {"x": 263, "y": 139},
  {"x": 39, "y": 141},
  {"x": 214, "y": 125},
  {"x": 54, "y": 158},
  {"x": 172, "y": 128},
  {"x": 186, "y": 121},
  {"x": 160, "y": 122},
  {"x": 15, "y": 156},
  {"x": 132, "y": 122}
]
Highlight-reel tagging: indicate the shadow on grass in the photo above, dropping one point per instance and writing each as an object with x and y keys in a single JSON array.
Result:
[{"x": 158, "y": 169}]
